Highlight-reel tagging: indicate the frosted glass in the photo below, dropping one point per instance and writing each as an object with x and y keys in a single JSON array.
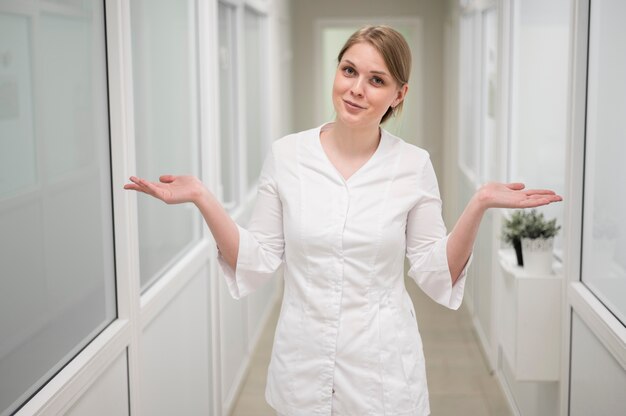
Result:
[
  {"x": 228, "y": 94},
  {"x": 604, "y": 235},
  {"x": 18, "y": 168},
  {"x": 166, "y": 124},
  {"x": 57, "y": 288},
  {"x": 469, "y": 145},
  {"x": 540, "y": 74},
  {"x": 488, "y": 94},
  {"x": 256, "y": 93}
]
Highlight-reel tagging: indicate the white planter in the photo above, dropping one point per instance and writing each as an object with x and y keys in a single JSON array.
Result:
[{"x": 537, "y": 255}]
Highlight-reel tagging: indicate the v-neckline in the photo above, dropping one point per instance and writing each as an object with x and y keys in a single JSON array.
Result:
[{"x": 332, "y": 165}]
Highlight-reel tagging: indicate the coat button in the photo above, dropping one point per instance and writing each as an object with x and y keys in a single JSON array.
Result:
[{"x": 333, "y": 391}]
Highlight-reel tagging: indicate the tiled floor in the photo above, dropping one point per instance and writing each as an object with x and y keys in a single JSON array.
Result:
[{"x": 458, "y": 379}]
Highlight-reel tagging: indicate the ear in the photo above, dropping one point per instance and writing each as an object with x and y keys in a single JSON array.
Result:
[{"x": 400, "y": 95}]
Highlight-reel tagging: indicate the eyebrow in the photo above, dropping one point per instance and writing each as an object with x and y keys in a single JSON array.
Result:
[{"x": 371, "y": 72}]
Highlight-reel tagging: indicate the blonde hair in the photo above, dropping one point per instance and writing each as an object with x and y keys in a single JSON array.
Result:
[{"x": 392, "y": 47}]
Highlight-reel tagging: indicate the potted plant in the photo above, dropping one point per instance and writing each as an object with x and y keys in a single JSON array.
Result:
[
  {"x": 532, "y": 237},
  {"x": 538, "y": 241},
  {"x": 512, "y": 234}
]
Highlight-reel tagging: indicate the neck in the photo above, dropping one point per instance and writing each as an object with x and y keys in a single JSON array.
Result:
[{"x": 355, "y": 141}]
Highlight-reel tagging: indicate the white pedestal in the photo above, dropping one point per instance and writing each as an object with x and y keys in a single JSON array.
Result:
[{"x": 530, "y": 333}]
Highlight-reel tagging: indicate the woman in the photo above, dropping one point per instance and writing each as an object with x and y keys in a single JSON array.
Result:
[{"x": 339, "y": 206}]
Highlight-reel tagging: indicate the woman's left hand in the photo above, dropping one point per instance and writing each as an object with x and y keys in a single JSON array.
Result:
[{"x": 514, "y": 195}]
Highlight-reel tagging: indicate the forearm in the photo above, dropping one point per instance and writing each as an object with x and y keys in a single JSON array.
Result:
[
  {"x": 463, "y": 235},
  {"x": 222, "y": 226}
]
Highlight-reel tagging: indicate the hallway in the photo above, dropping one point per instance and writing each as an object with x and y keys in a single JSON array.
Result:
[
  {"x": 113, "y": 303},
  {"x": 458, "y": 378}
]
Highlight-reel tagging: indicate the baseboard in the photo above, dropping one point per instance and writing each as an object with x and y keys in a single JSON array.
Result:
[{"x": 485, "y": 347}]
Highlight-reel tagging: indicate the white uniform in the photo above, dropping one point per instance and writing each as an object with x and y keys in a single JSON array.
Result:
[{"x": 347, "y": 341}]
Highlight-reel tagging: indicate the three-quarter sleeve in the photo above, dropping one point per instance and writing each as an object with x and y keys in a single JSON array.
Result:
[
  {"x": 426, "y": 245},
  {"x": 261, "y": 242}
]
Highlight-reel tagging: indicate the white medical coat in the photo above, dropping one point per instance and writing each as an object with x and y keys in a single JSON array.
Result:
[{"x": 347, "y": 341}]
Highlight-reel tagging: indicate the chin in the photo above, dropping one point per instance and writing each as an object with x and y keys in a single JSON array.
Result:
[{"x": 355, "y": 120}]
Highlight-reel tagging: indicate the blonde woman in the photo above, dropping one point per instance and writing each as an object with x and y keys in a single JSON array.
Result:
[{"x": 340, "y": 206}]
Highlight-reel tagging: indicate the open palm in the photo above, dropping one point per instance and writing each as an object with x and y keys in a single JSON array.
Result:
[
  {"x": 514, "y": 195},
  {"x": 170, "y": 189}
]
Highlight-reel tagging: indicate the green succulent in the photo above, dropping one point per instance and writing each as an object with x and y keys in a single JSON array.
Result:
[
  {"x": 528, "y": 224},
  {"x": 537, "y": 227},
  {"x": 512, "y": 227}
]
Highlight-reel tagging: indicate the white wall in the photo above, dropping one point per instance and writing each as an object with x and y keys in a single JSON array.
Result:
[
  {"x": 108, "y": 395},
  {"x": 598, "y": 381},
  {"x": 175, "y": 354}
]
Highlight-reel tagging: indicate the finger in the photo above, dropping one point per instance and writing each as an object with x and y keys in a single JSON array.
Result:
[
  {"x": 532, "y": 203},
  {"x": 141, "y": 184},
  {"x": 146, "y": 184},
  {"x": 137, "y": 181},
  {"x": 153, "y": 189},
  {"x": 167, "y": 178},
  {"x": 549, "y": 198},
  {"x": 537, "y": 200},
  {"x": 134, "y": 187},
  {"x": 539, "y": 192},
  {"x": 516, "y": 186},
  {"x": 131, "y": 186}
]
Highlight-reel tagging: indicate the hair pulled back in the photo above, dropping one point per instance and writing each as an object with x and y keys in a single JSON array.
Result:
[{"x": 392, "y": 47}]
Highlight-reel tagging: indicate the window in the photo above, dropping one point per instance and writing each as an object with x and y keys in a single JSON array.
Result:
[
  {"x": 166, "y": 124},
  {"x": 256, "y": 93},
  {"x": 604, "y": 229},
  {"x": 243, "y": 97},
  {"x": 57, "y": 290},
  {"x": 488, "y": 94},
  {"x": 228, "y": 99},
  {"x": 539, "y": 98},
  {"x": 469, "y": 148}
]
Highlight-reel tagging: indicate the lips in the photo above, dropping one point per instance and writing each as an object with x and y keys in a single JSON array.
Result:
[{"x": 350, "y": 104}]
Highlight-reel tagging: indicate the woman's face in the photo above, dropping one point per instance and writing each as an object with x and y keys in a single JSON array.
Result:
[{"x": 364, "y": 88}]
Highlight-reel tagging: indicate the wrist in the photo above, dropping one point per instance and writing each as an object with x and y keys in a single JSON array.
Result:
[
  {"x": 480, "y": 202},
  {"x": 201, "y": 195}
]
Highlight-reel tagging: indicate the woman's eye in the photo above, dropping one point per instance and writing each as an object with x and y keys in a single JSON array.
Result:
[
  {"x": 349, "y": 70},
  {"x": 377, "y": 81}
]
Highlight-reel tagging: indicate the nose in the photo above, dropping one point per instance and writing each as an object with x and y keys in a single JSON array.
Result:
[{"x": 357, "y": 86}]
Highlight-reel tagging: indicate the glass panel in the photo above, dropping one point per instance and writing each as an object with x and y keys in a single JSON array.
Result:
[
  {"x": 488, "y": 94},
  {"x": 468, "y": 139},
  {"x": 18, "y": 159},
  {"x": 228, "y": 94},
  {"x": 57, "y": 290},
  {"x": 166, "y": 124},
  {"x": 539, "y": 101},
  {"x": 256, "y": 101},
  {"x": 604, "y": 234}
]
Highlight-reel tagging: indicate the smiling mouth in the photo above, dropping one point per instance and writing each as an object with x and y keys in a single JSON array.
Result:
[{"x": 351, "y": 104}]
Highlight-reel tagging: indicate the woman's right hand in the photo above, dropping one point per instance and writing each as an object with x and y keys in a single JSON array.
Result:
[{"x": 170, "y": 189}]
